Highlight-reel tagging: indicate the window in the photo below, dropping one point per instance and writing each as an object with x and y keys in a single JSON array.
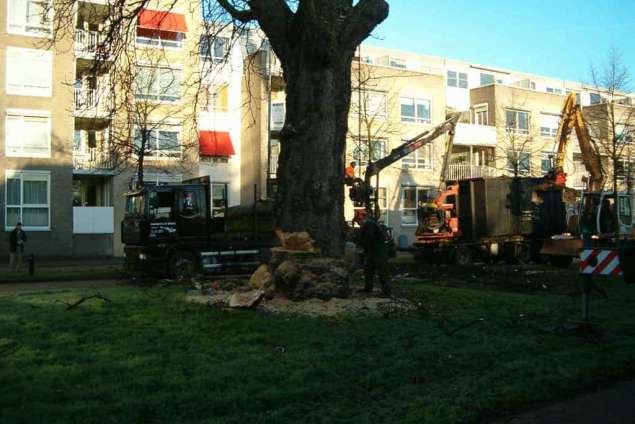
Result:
[
  {"x": 158, "y": 84},
  {"x": 624, "y": 134},
  {"x": 159, "y": 143},
  {"x": 519, "y": 161},
  {"x": 189, "y": 204},
  {"x": 457, "y": 79},
  {"x": 517, "y": 121},
  {"x": 595, "y": 98},
  {"x": 27, "y": 199},
  {"x": 273, "y": 158},
  {"x": 28, "y": 134},
  {"x": 419, "y": 159},
  {"x": 30, "y": 17},
  {"x": 373, "y": 150},
  {"x": 410, "y": 198},
  {"x": 397, "y": 63},
  {"x": 545, "y": 161},
  {"x": 452, "y": 79},
  {"x": 277, "y": 115},
  {"x": 161, "y": 204},
  {"x": 549, "y": 124},
  {"x": 554, "y": 90},
  {"x": 158, "y": 38},
  {"x": 159, "y": 178},
  {"x": 373, "y": 104},
  {"x": 29, "y": 72},
  {"x": 219, "y": 199},
  {"x": 481, "y": 115},
  {"x": 415, "y": 110},
  {"x": 214, "y": 48},
  {"x": 487, "y": 79}
]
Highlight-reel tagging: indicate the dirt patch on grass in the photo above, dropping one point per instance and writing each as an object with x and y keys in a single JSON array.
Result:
[{"x": 358, "y": 303}]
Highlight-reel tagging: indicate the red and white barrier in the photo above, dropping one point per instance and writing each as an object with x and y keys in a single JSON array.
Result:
[{"x": 600, "y": 262}]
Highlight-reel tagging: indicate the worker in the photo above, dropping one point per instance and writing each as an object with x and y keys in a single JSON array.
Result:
[
  {"x": 373, "y": 239},
  {"x": 349, "y": 173},
  {"x": 607, "y": 217}
]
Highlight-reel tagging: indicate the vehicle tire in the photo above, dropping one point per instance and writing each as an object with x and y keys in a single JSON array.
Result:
[
  {"x": 183, "y": 264},
  {"x": 561, "y": 261},
  {"x": 463, "y": 256}
]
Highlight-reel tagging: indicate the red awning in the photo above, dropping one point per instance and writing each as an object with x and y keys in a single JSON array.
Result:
[
  {"x": 215, "y": 143},
  {"x": 161, "y": 21}
]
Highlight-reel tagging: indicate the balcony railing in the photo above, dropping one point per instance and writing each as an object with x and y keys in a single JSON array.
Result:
[
  {"x": 92, "y": 159},
  {"x": 88, "y": 44},
  {"x": 90, "y": 100},
  {"x": 463, "y": 172}
]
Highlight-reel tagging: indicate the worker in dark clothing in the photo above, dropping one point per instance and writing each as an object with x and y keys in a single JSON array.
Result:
[
  {"x": 373, "y": 239},
  {"x": 17, "y": 238}
]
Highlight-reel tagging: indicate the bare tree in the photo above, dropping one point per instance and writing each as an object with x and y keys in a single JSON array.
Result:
[{"x": 612, "y": 119}]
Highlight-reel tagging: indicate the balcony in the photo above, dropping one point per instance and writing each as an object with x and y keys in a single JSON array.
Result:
[
  {"x": 475, "y": 135},
  {"x": 88, "y": 45},
  {"x": 464, "y": 172},
  {"x": 93, "y": 161},
  {"x": 93, "y": 220},
  {"x": 90, "y": 102}
]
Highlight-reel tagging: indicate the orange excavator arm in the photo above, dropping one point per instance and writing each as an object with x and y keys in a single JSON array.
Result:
[{"x": 573, "y": 120}]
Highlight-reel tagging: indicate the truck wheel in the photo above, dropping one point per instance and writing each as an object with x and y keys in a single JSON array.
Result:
[
  {"x": 463, "y": 256},
  {"x": 183, "y": 264},
  {"x": 561, "y": 261}
]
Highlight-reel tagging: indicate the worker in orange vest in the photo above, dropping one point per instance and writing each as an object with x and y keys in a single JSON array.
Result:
[{"x": 349, "y": 173}]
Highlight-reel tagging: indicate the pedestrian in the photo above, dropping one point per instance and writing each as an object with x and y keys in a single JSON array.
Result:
[
  {"x": 373, "y": 239},
  {"x": 349, "y": 173},
  {"x": 17, "y": 238}
]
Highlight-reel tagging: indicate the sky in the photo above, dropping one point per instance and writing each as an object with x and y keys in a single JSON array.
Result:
[{"x": 558, "y": 38}]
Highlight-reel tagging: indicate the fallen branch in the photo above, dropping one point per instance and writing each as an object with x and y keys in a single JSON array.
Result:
[{"x": 100, "y": 296}]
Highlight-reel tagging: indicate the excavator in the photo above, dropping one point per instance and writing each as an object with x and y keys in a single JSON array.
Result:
[
  {"x": 596, "y": 207},
  {"x": 362, "y": 192}
]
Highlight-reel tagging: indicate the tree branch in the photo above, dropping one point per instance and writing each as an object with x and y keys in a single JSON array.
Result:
[
  {"x": 358, "y": 25},
  {"x": 243, "y": 16}
]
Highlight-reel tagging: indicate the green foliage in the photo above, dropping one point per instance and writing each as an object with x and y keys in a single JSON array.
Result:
[{"x": 150, "y": 357}]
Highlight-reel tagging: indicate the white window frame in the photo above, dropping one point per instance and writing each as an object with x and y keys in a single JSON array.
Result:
[
  {"x": 22, "y": 26},
  {"x": 368, "y": 111},
  {"x": 515, "y": 128},
  {"x": 479, "y": 109},
  {"x": 415, "y": 160},
  {"x": 397, "y": 63},
  {"x": 554, "y": 90},
  {"x": 415, "y": 119},
  {"x": 546, "y": 156},
  {"x": 158, "y": 178},
  {"x": 486, "y": 74},
  {"x": 225, "y": 186},
  {"x": 25, "y": 89},
  {"x": 211, "y": 53},
  {"x": 157, "y": 93},
  {"x": 21, "y": 174},
  {"x": 550, "y": 131},
  {"x": 509, "y": 165},
  {"x": 360, "y": 148},
  {"x": 26, "y": 113},
  {"x": 159, "y": 154},
  {"x": 402, "y": 209},
  {"x": 158, "y": 42}
]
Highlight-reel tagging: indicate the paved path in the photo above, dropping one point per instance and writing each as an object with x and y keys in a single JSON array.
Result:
[
  {"x": 609, "y": 405},
  {"x": 11, "y": 288}
]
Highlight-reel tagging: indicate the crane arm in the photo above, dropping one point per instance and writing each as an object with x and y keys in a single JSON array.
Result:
[
  {"x": 411, "y": 145},
  {"x": 573, "y": 120}
]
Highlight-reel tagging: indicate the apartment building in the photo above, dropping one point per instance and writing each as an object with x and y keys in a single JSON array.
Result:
[{"x": 76, "y": 122}]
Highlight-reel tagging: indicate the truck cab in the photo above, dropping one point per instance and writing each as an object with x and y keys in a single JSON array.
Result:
[
  {"x": 597, "y": 212},
  {"x": 170, "y": 229}
]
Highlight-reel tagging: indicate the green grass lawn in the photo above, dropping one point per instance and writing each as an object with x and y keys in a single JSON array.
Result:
[
  {"x": 150, "y": 357},
  {"x": 62, "y": 274}
]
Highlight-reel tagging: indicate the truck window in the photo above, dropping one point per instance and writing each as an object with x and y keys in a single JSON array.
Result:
[
  {"x": 189, "y": 204},
  {"x": 161, "y": 204},
  {"x": 626, "y": 213},
  {"x": 135, "y": 205}
]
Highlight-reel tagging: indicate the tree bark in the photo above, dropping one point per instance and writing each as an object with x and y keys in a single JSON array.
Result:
[{"x": 311, "y": 163}]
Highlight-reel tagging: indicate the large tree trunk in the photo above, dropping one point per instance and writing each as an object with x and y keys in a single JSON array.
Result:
[{"x": 313, "y": 144}]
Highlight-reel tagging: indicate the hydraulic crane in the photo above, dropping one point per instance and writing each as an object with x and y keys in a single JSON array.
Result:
[
  {"x": 572, "y": 119},
  {"x": 361, "y": 193}
]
